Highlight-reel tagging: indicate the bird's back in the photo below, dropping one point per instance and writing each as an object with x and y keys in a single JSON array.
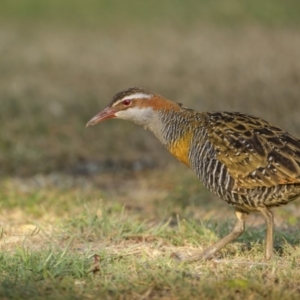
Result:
[{"x": 243, "y": 159}]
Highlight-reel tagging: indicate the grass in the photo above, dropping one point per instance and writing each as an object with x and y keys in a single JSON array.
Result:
[
  {"x": 111, "y": 280},
  {"x": 97, "y": 213},
  {"x": 182, "y": 14},
  {"x": 69, "y": 244},
  {"x": 52, "y": 82}
]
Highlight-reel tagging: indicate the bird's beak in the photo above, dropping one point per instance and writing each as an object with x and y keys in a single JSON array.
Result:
[{"x": 105, "y": 114}]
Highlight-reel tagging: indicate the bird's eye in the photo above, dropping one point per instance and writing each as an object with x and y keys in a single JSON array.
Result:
[{"x": 126, "y": 102}]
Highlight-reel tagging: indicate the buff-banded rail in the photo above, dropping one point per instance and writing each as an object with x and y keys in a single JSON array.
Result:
[{"x": 244, "y": 160}]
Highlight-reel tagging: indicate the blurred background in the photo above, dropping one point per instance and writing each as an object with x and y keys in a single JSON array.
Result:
[{"x": 62, "y": 61}]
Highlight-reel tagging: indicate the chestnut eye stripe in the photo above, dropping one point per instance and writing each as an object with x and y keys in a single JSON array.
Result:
[{"x": 132, "y": 97}]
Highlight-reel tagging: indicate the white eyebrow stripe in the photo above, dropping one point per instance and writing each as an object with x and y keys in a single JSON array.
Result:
[
  {"x": 137, "y": 96},
  {"x": 133, "y": 96}
]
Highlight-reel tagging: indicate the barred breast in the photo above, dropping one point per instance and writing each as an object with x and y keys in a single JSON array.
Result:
[{"x": 245, "y": 160}]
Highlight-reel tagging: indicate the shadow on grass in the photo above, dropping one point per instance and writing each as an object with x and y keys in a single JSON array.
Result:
[
  {"x": 45, "y": 289},
  {"x": 207, "y": 232}
]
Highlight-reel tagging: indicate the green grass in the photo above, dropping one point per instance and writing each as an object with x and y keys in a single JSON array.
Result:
[
  {"x": 70, "y": 277},
  {"x": 178, "y": 13},
  {"x": 90, "y": 247}
]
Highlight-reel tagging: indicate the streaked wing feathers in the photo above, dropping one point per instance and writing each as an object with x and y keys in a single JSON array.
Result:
[{"x": 255, "y": 152}]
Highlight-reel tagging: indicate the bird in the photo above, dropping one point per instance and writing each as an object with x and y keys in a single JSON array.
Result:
[{"x": 246, "y": 161}]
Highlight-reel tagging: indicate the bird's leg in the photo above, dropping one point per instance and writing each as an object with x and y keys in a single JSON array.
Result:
[
  {"x": 208, "y": 253},
  {"x": 268, "y": 216}
]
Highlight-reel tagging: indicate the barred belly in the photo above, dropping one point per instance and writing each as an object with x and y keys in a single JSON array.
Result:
[{"x": 215, "y": 176}]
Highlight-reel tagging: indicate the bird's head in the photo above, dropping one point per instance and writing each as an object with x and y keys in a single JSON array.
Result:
[{"x": 133, "y": 104}]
